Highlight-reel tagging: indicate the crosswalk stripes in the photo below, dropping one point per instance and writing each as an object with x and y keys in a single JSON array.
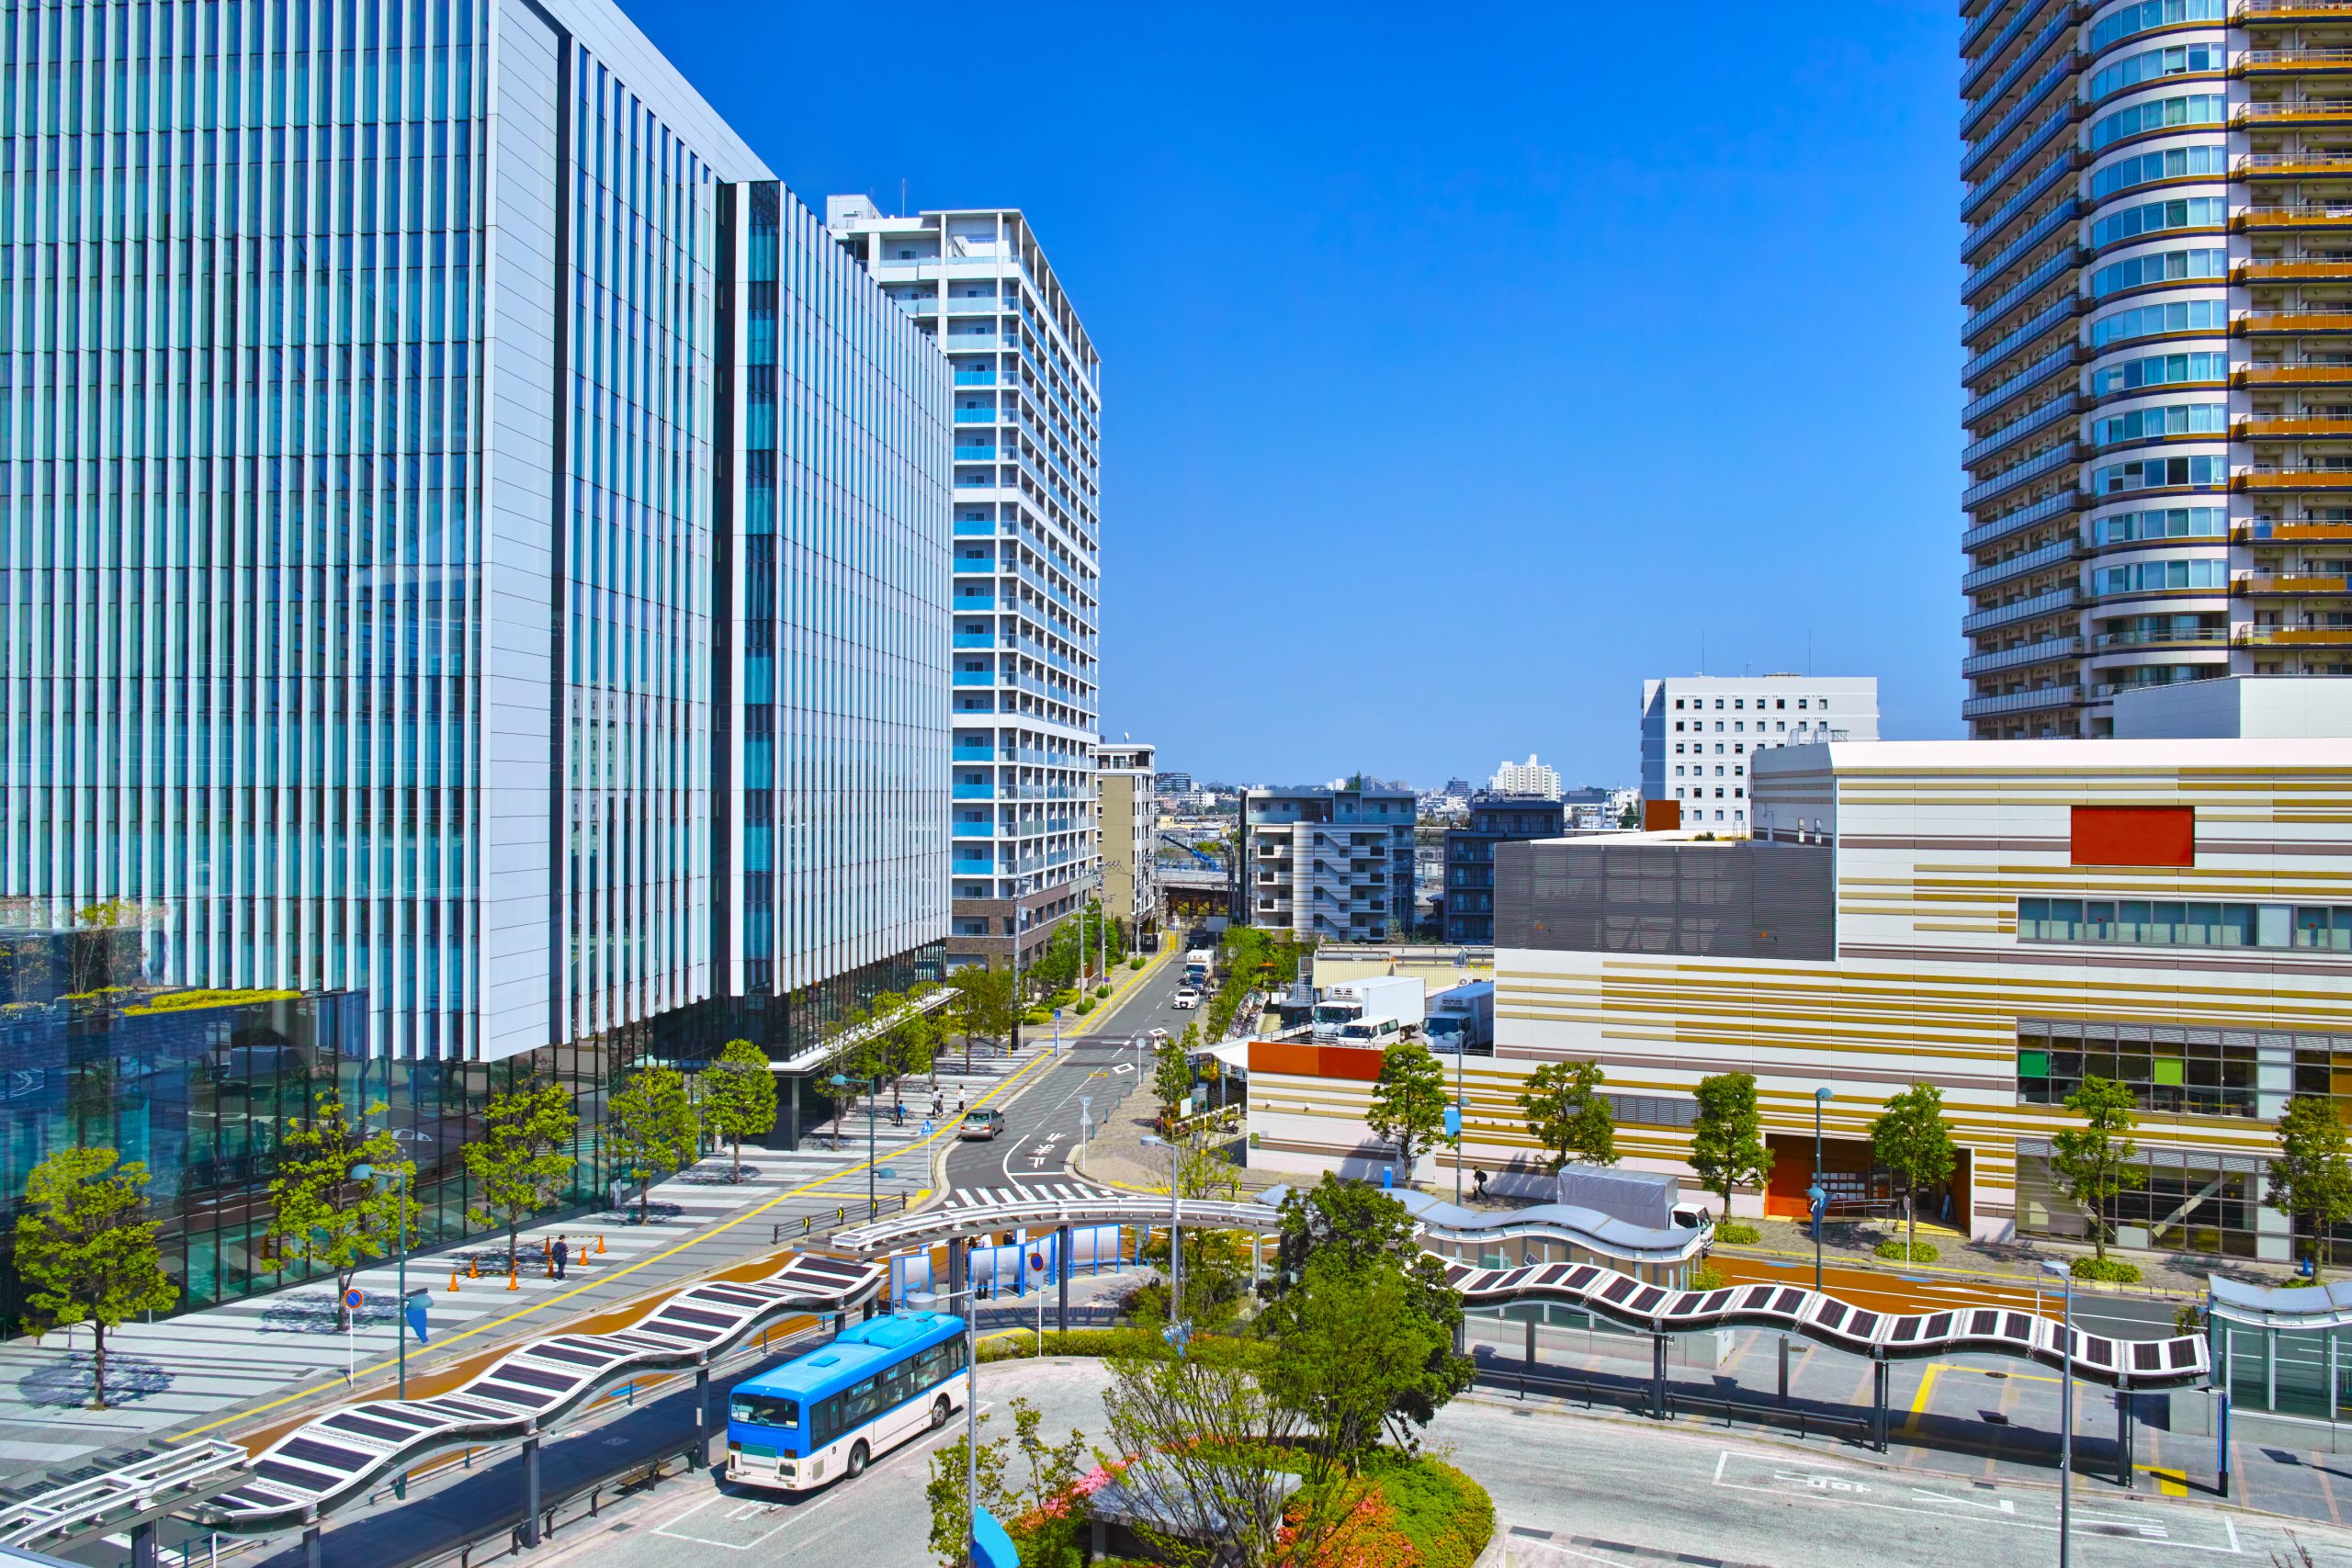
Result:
[{"x": 983, "y": 1197}]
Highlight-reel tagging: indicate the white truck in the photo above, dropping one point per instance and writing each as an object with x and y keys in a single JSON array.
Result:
[
  {"x": 1397, "y": 996},
  {"x": 1649, "y": 1198},
  {"x": 1199, "y": 965},
  {"x": 1462, "y": 1018}
]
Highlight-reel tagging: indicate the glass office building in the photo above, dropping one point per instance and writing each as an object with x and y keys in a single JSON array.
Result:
[{"x": 472, "y": 545}]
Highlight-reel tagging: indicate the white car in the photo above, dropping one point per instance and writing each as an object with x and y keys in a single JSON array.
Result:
[{"x": 1188, "y": 998}]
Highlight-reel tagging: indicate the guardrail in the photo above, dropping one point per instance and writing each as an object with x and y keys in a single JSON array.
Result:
[{"x": 807, "y": 1225}]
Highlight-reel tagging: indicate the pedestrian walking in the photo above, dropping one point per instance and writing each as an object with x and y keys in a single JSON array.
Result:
[
  {"x": 1481, "y": 1192},
  {"x": 897, "y": 1114},
  {"x": 562, "y": 1255},
  {"x": 959, "y": 1105}
]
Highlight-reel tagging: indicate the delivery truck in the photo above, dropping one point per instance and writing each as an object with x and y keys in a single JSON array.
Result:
[
  {"x": 1652, "y": 1200},
  {"x": 1398, "y": 997},
  {"x": 1462, "y": 1018}
]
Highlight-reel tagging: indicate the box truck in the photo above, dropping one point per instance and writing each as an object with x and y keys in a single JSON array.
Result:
[
  {"x": 1399, "y": 997},
  {"x": 1652, "y": 1200},
  {"x": 1462, "y": 1018}
]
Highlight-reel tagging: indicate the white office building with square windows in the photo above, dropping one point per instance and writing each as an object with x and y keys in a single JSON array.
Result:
[{"x": 1701, "y": 733}]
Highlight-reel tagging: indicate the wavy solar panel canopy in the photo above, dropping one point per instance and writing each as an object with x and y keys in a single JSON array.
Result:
[
  {"x": 330, "y": 1459},
  {"x": 1825, "y": 1319}
]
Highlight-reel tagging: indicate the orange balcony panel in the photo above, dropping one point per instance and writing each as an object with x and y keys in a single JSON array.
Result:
[
  {"x": 2257, "y": 12},
  {"x": 2294, "y": 62},
  {"x": 2295, "y": 479},
  {"x": 2254, "y": 166},
  {"x": 2292, "y": 376},
  {"x": 2289, "y": 271},
  {"x": 2308, "y": 111},
  {"x": 2289, "y": 427},
  {"x": 2260, "y": 582},
  {"x": 2293, "y": 220},
  {"x": 2337, "y": 637},
  {"x": 2292, "y": 533},
  {"x": 2291, "y": 324}
]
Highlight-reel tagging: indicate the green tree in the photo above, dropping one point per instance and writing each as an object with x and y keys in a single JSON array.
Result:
[
  {"x": 2094, "y": 1159},
  {"x": 1348, "y": 1342},
  {"x": 1727, "y": 1146},
  {"x": 1409, "y": 1103},
  {"x": 1914, "y": 1141},
  {"x": 324, "y": 1216},
  {"x": 1568, "y": 1114},
  {"x": 85, "y": 1250},
  {"x": 1024, "y": 1504},
  {"x": 1172, "y": 1073},
  {"x": 523, "y": 1159},
  {"x": 738, "y": 1097},
  {"x": 2312, "y": 1179},
  {"x": 1346, "y": 1246},
  {"x": 1208, "y": 1456},
  {"x": 984, "y": 1006},
  {"x": 650, "y": 1128}
]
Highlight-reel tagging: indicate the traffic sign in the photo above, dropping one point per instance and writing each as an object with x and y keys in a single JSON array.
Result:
[
  {"x": 1037, "y": 1261},
  {"x": 352, "y": 1300}
]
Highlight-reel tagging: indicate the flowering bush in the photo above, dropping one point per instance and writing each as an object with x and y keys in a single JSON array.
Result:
[{"x": 1415, "y": 1513}]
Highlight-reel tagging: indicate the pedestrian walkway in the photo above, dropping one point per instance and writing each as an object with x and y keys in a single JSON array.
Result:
[
  {"x": 984, "y": 1197},
  {"x": 204, "y": 1370}
]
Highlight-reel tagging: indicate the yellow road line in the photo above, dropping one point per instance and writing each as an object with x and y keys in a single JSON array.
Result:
[
  {"x": 1919, "y": 1400},
  {"x": 2169, "y": 1483},
  {"x": 545, "y": 1301}
]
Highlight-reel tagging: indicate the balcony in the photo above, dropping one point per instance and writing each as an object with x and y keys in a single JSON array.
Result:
[
  {"x": 974, "y": 639},
  {"x": 2042, "y": 653},
  {"x": 2266, "y": 271},
  {"x": 2259, "y": 585},
  {"x": 2056, "y": 600},
  {"x": 2257, "y": 167},
  {"x": 974, "y": 678},
  {"x": 2018, "y": 565},
  {"x": 976, "y": 377},
  {"x": 2293, "y": 637},
  {"x": 2261, "y": 533},
  {"x": 2163, "y": 636},
  {"x": 2292, "y": 11},
  {"x": 2032, "y": 468},
  {"x": 2292, "y": 376},
  {"x": 973, "y": 830},
  {"x": 973, "y": 792},
  {"x": 2296, "y": 219},
  {"x": 2290, "y": 323},
  {"x": 2294, "y": 62},
  {"x": 2066, "y": 697},
  {"x": 2308, "y": 111},
  {"x": 2289, "y": 426},
  {"x": 2267, "y": 478},
  {"x": 2001, "y": 527}
]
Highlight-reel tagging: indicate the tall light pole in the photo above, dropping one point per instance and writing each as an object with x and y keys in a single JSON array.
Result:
[
  {"x": 1458, "y": 1116},
  {"x": 1821, "y": 1097},
  {"x": 1175, "y": 1224},
  {"x": 841, "y": 1082},
  {"x": 2065, "y": 1404},
  {"x": 928, "y": 1301}
]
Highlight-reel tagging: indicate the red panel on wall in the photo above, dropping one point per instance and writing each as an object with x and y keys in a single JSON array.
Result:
[
  {"x": 1661, "y": 816},
  {"x": 2134, "y": 835},
  {"x": 1297, "y": 1059}
]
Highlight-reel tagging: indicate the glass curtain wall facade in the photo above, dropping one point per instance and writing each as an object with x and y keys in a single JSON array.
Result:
[
  {"x": 1027, "y": 562},
  {"x": 364, "y": 447},
  {"x": 2158, "y": 458}
]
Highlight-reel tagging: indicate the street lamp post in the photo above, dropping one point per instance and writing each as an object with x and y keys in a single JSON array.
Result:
[
  {"x": 1457, "y": 1113},
  {"x": 841, "y": 1082},
  {"x": 2065, "y": 1404},
  {"x": 927, "y": 1301},
  {"x": 1175, "y": 1225},
  {"x": 1821, "y": 1097}
]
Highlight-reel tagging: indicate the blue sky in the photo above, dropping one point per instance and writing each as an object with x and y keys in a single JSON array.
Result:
[{"x": 1458, "y": 376}]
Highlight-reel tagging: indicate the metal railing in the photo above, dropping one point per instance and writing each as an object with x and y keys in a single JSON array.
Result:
[{"x": 817, "y": 1224}]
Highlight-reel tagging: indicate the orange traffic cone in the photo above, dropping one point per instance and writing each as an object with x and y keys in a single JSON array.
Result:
[
  {"x": 550, "y": 1265},
  {"x": 473, "y": 1267},
  {"x": 513, "y": 1281},
  {"x": 453, "y": 1278},
  {"x": 600, "y": 1244}
]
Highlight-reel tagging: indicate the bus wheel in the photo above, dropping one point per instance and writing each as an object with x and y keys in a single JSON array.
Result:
[
  {"x": 856, "y": 1461},
  {"x": 940, "y": 1409}
]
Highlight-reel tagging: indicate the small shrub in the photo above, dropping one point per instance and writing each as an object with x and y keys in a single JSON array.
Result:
[
  {"x": 1102, "y": 991},
  {"x": 1911, "y": 1252},
  {"x": 1136, "y": 962},
  {"x": 2189, "y": 1319},
  {"x": 1737, "y": 1232},
  {"x": 1085, "y": 1006},
  {"x": 1402, "y": 1513},
  {"x": 1707, "y": 1277},
  {"x": 1036, "y": 1016},
  {"x": 2114, "y": 1270},
  {"x": 1070, "y": 1342},
  {"x": 2297, "y": 1282}
]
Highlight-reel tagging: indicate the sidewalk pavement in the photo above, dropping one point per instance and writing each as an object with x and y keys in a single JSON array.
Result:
[{"x": 205, "y": 1370}]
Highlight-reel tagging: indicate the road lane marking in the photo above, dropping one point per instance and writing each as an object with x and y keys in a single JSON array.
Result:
[{"x": 2169, "y": 1483}]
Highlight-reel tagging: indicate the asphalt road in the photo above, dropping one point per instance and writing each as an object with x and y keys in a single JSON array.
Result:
[
  {"x": 1043, "y": 1121},
  {"x": 1574, "y": 1490},
  {"x": 2121, "y": 1316}
]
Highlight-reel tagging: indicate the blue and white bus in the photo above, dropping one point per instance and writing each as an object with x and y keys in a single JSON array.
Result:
[{"x": 823, "y": 1415}]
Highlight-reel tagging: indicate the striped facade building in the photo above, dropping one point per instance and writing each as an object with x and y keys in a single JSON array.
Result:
[{"x": 2000, "y": 921}]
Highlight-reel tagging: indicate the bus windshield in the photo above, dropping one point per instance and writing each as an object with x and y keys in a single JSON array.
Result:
[{"x": 763, "y": 1410}]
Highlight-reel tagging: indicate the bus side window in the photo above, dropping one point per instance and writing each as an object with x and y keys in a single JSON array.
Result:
[
  {"x": 863, "y": 1398},
  {"x": 825, "y": 1422},
  {"x": 898, "y": 1385}
]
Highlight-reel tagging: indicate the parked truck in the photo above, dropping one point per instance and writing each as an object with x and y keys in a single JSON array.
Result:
[
  {"x": 1651, "y": 1200},
  {"x": 1462, "y": 1018},
  {"x": 1398, "y": 996}
]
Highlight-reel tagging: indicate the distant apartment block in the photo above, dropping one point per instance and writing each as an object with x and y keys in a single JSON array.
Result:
[
  {"x": 1528, "y": 778},
  {"x": 1028, "y": 411},
  {"x": 1700, "y": 732},
  {"x": 1334, "y": 864},
  {"x": 1469, "y": 908},
  {"x": 1127, "y": 825}
]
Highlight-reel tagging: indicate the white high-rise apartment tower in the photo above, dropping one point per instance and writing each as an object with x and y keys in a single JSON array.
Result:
[
  {"x": 1028, "y": 396},
  {"x": 1701, "y": 734},
  {"x": 1528, "y": 778},
  {"x": 2158, "y": 213}
]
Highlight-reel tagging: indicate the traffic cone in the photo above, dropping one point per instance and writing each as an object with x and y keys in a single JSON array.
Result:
[
  {"x": 453, "y": 1278},
  {"x": 514, "y": 1279},
  {"x": 550, "y": 1265},
  {"x": 600, "y": 1244},
  {"x": 473, "y": 1267}
]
